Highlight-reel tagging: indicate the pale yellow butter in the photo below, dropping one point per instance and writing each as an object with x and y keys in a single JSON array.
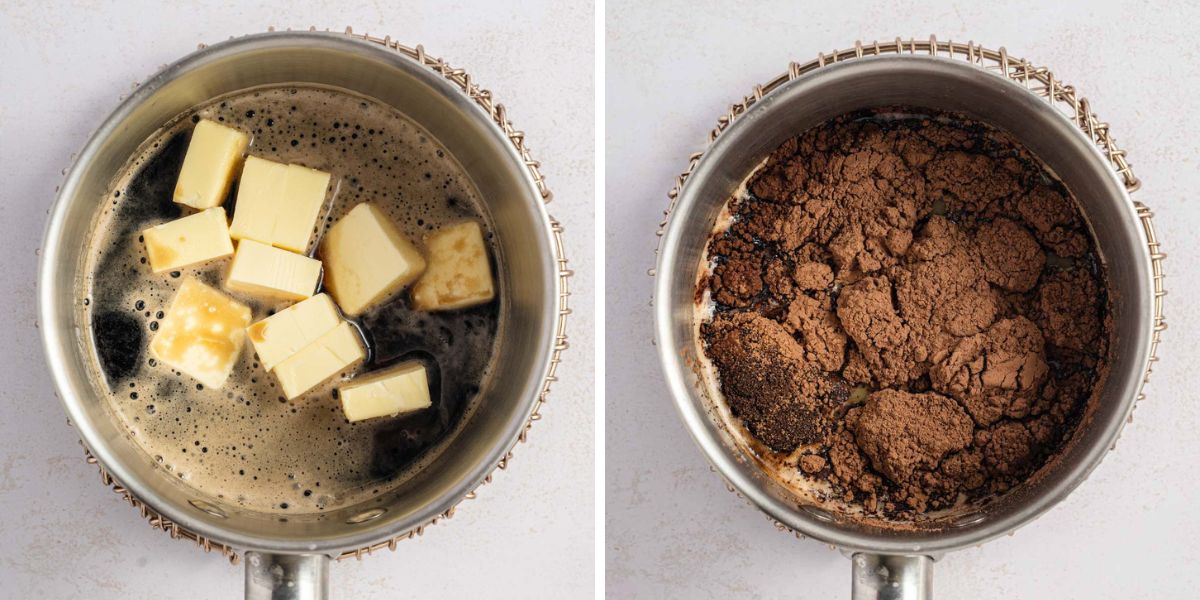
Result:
[
  {"x": 459, "y": 274},
  {"x": 400, "y": 389},
  {"x": 202, "y": 333},
  {"x": 260, "y": 192},
  {"x": 331, "y": 353},
  {"x": 278, "y": 204},
  {"x": 290, "y": 330},
  {"x": 264, "y": 270},
  {"x": 212, "y": 155},
  {"x": 367, "y": 259},
  {"x": 189, "y": 240}
]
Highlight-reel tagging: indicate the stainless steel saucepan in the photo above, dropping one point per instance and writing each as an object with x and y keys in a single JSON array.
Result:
[
  {"x": 289, "y": 558},
  {"x": 1056, "y": 125}
]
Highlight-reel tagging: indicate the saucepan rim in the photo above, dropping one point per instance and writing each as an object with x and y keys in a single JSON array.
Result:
[
  {"x": 690, "y": 404},
  {"x": 55, "y": 325}
]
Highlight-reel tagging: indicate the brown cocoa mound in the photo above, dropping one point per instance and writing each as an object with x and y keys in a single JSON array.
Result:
[
  {"x": 908, "y": 308},
  {"x": 901, "y": 432}
]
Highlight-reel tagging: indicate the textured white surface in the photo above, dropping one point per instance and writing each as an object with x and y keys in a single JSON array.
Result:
[
  {"x": 63, "y": 535},
  {"x": 673, "y": 531}
]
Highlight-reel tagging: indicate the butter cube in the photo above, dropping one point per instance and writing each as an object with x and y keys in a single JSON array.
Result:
[
  {"x": 202, "y": 334},
  {"x": 213, "y": 153},
  {"x": 189, "y": 240},
  {"x": 290, "y": 330},
  {"x": 367, "y": 259},
  {"x": 260, "y": 192},
  {"x": 268, "y": 271},
  {"x": 459, "y": 274},
  {"x": 278, "y": 204},
  {"x": 334, "y": 351},
  {"x": 400, "y": 389}
]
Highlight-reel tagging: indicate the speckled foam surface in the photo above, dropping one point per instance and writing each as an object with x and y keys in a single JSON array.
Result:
[
  {"x": 59, "y": 86},
  {"x": 672, "y": 529}
]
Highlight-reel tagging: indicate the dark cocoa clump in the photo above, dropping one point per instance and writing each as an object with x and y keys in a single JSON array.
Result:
[
  {"x": 784, "y": 401},
  {"x": 910, "y": 308}
]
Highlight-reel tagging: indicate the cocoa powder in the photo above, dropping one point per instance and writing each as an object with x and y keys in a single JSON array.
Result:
[
  {"x": 784, "y": 400},
  {"x": 908, "y": 308}
]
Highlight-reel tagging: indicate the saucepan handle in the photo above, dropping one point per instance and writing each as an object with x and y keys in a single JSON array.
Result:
[
  {"x": 892, "y": 577},
  {"x": 287, "y": 576}
]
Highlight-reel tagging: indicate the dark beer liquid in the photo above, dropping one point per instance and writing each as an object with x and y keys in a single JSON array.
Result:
[{"x": 246, "y": 443}]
